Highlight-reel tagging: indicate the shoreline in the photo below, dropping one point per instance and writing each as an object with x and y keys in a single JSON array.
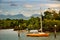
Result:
[{"x": 24, "y": 30}]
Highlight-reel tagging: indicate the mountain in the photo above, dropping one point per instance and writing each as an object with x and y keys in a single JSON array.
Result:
[
  {"x": 18, "y": 16},
  {"x": 35, "y": 15}
]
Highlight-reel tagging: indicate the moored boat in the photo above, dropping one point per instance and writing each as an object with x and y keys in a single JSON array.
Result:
[{"x": 41, "y": 34}]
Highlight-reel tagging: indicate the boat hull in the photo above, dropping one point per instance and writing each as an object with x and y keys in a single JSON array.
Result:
[{"x": 38, "y": 35}]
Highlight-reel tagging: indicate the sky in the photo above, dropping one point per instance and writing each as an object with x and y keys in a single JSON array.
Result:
[{"x": 27, "y": 7}]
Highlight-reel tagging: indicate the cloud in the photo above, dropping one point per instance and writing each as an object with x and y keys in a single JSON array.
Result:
[
  {"x": 0, "y": 11},
  {"x": 26, "y": 13},
  {"x": 53, "y": 5},
  {"x": 49, "y": 5},
  {"x": 7, "y": 12},
  {"x": 28, "y": 6}
]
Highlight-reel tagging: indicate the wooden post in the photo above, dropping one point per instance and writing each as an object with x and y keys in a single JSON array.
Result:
[
  {"x": 55, "y": 31},
  {"x": 19, "y": 31}
]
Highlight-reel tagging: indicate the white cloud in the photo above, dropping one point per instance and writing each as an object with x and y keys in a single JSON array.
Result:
[
  {"x": 0, "y": 11},
  {"x": 27, "y": 14},
  {"x": 7, "y": 12},
  {"x": 28, "y": 6},
  {"x": 36, "y": 6},
  {"x": 53, "y": 5},
  {"x": 50, "y": 5}
]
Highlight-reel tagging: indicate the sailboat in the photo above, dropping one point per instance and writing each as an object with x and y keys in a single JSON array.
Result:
[{"x": 39, "y": 34}]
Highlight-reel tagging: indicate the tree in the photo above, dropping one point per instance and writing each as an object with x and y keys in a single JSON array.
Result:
[{"x": 47, "y": 15}]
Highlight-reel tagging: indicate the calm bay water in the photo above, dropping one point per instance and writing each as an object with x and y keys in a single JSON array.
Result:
[{"x": 9, "y": 34}]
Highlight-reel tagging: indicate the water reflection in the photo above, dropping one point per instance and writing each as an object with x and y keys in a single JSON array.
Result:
[
  {"x": 18, "y": 33},
  {"x": 24, "y": 37}
]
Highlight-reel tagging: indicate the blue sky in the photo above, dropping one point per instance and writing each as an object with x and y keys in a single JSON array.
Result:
[{"x": 26, "y": 7}]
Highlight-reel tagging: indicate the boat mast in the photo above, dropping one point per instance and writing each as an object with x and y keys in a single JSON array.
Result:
[{"x": 41, "y": 19}]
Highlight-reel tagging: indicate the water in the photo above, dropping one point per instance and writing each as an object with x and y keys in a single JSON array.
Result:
[{"x": 9, "y": 34}]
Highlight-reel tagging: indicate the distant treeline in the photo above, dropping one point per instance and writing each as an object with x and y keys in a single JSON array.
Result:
[{"x": 49, "y": 19}]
